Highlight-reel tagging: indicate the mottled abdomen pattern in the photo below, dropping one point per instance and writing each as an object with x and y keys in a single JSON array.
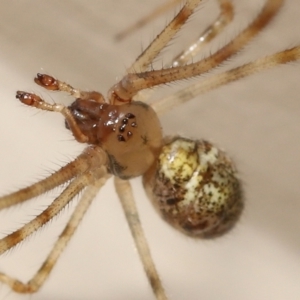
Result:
[{"x": 195, "y": 188}]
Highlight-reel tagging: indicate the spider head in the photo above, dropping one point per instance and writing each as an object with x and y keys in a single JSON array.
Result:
[{"x": 130, "y": 133}]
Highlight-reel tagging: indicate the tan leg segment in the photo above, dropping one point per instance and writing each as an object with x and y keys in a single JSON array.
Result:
[
  {"x": 53, "y": 209},
  {"x": 283, "y": 57},
  {"x": 133, "y": 83},
  {"x": 73, "y": 189},
  {"x": 224, "y": 18},
  {"x": 66, "y": 173},
  {"x": 147, "y": 19},
  {"x": 148, "y": 55},
  {"x": 126, "y": 197}
]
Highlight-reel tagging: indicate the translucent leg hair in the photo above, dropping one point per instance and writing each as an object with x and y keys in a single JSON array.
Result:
[
  {"x": 133, "y": 82},
  {"x": 165, "y": 104},
  {"x": 90, "y": 178}
]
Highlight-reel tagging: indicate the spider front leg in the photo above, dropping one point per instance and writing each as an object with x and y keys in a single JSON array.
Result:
[
  {"x": 225, "y": 16},
  {"x": 133, "y": 82}
]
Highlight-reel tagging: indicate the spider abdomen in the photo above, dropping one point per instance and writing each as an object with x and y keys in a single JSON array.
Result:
[{"x": 195, "y": 188}]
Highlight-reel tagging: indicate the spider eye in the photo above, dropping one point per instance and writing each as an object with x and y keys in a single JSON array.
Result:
[{"x": 195, "y": 188}]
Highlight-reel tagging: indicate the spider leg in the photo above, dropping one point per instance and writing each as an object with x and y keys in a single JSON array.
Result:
[
  {"x": 183, "y": 95},
  {"x": 78, "y": 166},
  {"x": 93, "y": 180},
  {"x": 39, "y": 278},
  {"x": 147, "y": 19},
  {"x": 79, "y": 183},
  {"x": 147, "y": 56},
  {"x": 124, "y": 192},
  {"x": 117, "y": 94},
  {"x": 224, "y": 18},
  {"x": 132, "y": 83}
]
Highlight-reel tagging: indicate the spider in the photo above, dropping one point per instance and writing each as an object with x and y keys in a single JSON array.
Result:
[{"x": 197, "y": 135}]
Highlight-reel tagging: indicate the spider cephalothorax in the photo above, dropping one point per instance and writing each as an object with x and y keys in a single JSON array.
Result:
[{"x": 130, "y": 133}]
